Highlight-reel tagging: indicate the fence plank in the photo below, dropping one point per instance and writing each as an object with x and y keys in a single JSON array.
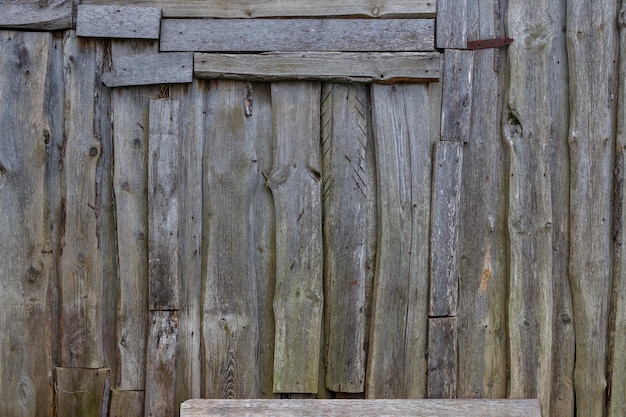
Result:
[
  {"x": 293, "y": 35},
  {"x": 27, "y": 267},
  {"x": 295, "y": 184},
  {"x": 456, "y": 105},
  {"x": 452, "y": 24},
  {"x": 82, "y": 392},
  {"x": 592, "y": 47},
  {"x": 37, "y": 15},
  {"x": 379, "y": 67},
  {"x": 146, "y": 69},
  {"x": 118, "y": 22},
  {"x": 442, "y": 357},
  {"x": 126, "y": 403},
  {"x": 160, "y": 395}
]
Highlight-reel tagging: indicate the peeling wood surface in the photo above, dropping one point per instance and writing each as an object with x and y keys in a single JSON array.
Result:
[
  {"x": 118, "y": 22},
  {"x": 147, "y": 69},
  {"x": 36, "y": 15},
  {"x": 82, "y": 392}
]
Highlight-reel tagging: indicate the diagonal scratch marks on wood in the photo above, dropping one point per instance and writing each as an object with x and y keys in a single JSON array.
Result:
[{"x": 326, "y": 138}]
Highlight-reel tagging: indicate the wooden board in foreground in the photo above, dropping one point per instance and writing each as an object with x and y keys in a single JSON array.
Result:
[{"x": 361, "y": 408}]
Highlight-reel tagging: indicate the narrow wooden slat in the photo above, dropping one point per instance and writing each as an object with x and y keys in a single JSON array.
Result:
[
  {"x": 82, "y": 392},
  {"x": 444, "y": 257},
  {"x": 160, "y": 395},
  {"x": 363, "y": 408},
  {"x": 295, "y": 183},
  {"x": 245, "y": 9},
  {"x": 37, "y": 15},
  {"x": 126, "y": 403},
  {"x": 442, "y": 357},
  {"x": 456, "y": 106},
  {"x": 592, "y": 51},
  {"x": 323, "y": 66},
  {"x": 146, "y": 69},
  {"x": 452, "y": 24},
  {"x": 118, "y": 22},
  {"x": 230, "y": 331},
  {"x": 293, "y": 35}
]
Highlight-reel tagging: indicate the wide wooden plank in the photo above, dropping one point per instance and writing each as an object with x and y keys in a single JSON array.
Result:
[
  {"x": 230, "y": 331},
  {"x": 379, "y": 67},
  {"x": 295, "y": 182},
  {"x": 456, "y": 104},
  {"x": 160, "y": 395},
  {"x": 442, "y": 357},
  {"x": 27, "y": 266},
  {"x": 118, "y": 22},
  {"x": 291, "y": 8},
  {"x": 126, "y": 403},
  {"x": 146, "y": 69},
  {"x": 452, "y": 24},
  {"x": 35, "y": 14},
  {"x": 363, "y": 408},
  {"x": 592, "y": 50},
  {"x": 292, "y": 35},
  {"x": 82, "y": 392},
  {"x": 444, "y": 238}
]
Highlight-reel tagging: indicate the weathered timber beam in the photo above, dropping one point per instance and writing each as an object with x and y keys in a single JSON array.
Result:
[
  {"x": 34, "y": 14},
  {"x": 118, "y": 22},
  {"x": 147, "y": 69}
]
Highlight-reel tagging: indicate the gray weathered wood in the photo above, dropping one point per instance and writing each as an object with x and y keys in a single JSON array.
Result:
[
  {"x": 362, "y": 408},
  {"x": 452, "y": 24},
  {"x": 397, "y": 347},
  {"x": 295, "y": 182},
  {"x": 247, "y": 9},
  {"x": 444, "y": 238},
  {"x": 118, "y": 22},
  {"x": 126, "y": 403},
  {"x": 82, "y": 392},
  {"x": 592, "y": 52},
  {"x": 26, "y": 269},
  {"x": 163, "y": 204},
  {"x": 160, "y": 395},
  {"x": 380, "y": 67},
  {"x": 146, "y": 69},
  {"x": 230, "y": 331},
  {"x": 294, "y": 35},
  {"x": 35, "y": 14},
  {"x": 442, "y": 357},
  {"x": 456, "y": 103},
  {"x": 346, "y": 196}
]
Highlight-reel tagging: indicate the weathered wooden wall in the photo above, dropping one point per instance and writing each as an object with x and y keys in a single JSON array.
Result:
[{"x": 167, "y": 237}]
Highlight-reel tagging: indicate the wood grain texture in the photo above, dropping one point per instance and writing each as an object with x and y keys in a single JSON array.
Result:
[
  {"x": 160, "y": 394},
  {"x": 364, "y": 408},
  {"x": 452, "y": 24},
  {"x": 294, "y": 35},
  {"x": 592, "y": 47},
  {"x": 36, "y": 15},
  {"x": 146, "y": 69},
  {"x": 295, "y": 182},
  {"x": 442, "y": 357},
  {"x": 456, "y": 104},
  {"x": 118, "y": 22},
  {"x": 82, "y": 392},
  {"x": 27, "y": 267},
  {"x": 444, "y": 235},
  {"x": 377, "y": 67},
  {"x": 284, "y": 8},
  {"x": 230, "y": 330},
  {"x": 397, "y": 346},
  {"x": 126, "y": 403}
]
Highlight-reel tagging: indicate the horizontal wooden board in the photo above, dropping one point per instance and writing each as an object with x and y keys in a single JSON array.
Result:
[
  {"x": 146, "y": 69},
  {"x": 293, "y": 8},
  {"x": 360, "y": 408},
  {"x": 35, "y": 14},
  {"x": 118, "y": 22},
  {"x": 289, "y": 35},
  {"x": 382, "y": 67}
]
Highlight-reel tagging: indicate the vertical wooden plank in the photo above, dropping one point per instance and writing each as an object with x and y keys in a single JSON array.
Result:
[
  {"x": 452, "y": 24},
  {"x": 82, "y": 392},
  {"x": 592, "y": 47},
  {"x": 230, "y": 332},
  {"x": 160, "y": 396},
  {"x": 345, "y": 194},
  {"x": 446, "y": 198},
  {"x": 456, "y": 103},
  {"x": 126, "y": 403},
  {"x": 26, "y": 270},
  {"x": 397, "y": 348},
  {"x": 442, "y": 357},
  {"x": 295, "y": 184}
]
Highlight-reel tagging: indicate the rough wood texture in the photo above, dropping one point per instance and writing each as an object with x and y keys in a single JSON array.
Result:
[
  {"x": 363, "y": 408},
  {"x": 163, "y": 204},
  {"x": 592, "y": 47},
  {"x": 146, "y": 69},
  {"x": 452, "y": 24},
  {"x": 293, "y": 8},
  {"x": 26, "y": 269},
  {"x": 295, "y": 182},
  {"x": 346, "y": 198},
  {"x": 230, "y": 331},
  {"x": 35, "y": 14},
  {"x": 397, "y": 356},
  {"x": 323, "y": 66},
  {"x": 442, "y": 357},
  {"x": 118, "y": 22},
  {"x": 82, "y": 392},
  {"x": 160, "y": 395},
  {"x": 294, "y": 35},
  {"x": 126, "y": 403},
  {"x": 444, "y": 238},
  {"x": 456, "y": 106}
]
